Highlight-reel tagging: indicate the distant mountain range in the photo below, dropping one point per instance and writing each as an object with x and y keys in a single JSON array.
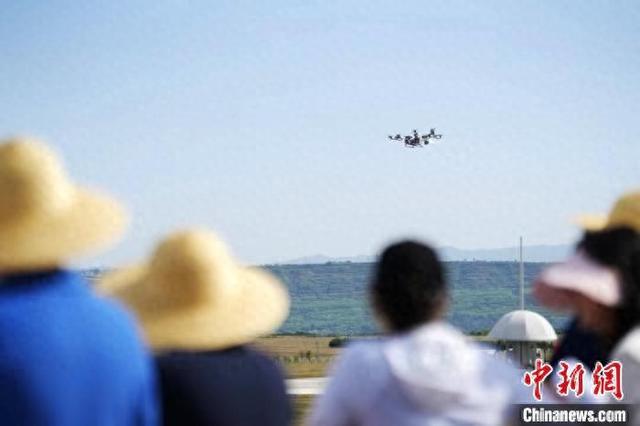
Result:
[{"x": 539, "y": 253}]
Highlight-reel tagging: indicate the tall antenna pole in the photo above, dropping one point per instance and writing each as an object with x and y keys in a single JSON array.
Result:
[{"x": 521, "y": 278}]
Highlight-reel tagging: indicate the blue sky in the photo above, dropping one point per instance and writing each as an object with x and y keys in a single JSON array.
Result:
[{"x": 267, "y": 121}]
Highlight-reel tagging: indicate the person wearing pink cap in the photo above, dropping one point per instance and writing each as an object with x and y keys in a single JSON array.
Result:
[{"x": 600, "y": 285}]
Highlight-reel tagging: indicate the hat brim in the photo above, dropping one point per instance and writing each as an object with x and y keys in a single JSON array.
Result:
[
  {"x": 258, "y": 306},
  {"x": 91, "y": 222},
  {"x": 581, "y": 275},
  {"x": 557, "y": 299},
  {"x": 592, "y": 222}
]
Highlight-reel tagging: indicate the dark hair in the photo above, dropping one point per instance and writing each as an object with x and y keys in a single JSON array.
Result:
[
  {"x": 619, "y": 248},
  {"x": 408, "y": 287}
]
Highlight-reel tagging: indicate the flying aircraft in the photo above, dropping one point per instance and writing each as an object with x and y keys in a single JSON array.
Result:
[{"x": 416, "y": 140}]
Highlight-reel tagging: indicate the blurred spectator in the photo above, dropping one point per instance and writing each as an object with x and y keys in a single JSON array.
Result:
[
  {"x": 582, "y": 344},
  {"x": 67, "y": 358},
  {"x": 425, "y": 371},
  {"x": 600, "y": 284},
  {"x": 199, "y": 309}
]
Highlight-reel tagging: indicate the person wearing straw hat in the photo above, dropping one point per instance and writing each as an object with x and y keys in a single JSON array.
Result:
[
  {"x": 199, "y": 310},
  {"x": 600, "y": 285},
  {"x": 67, "y": 357}
]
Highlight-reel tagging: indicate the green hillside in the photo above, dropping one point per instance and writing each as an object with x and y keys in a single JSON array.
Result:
[{"x": 331, "y": 298}]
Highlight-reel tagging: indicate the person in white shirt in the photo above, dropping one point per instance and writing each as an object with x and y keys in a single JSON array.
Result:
[{"x": 425, "y": 372}]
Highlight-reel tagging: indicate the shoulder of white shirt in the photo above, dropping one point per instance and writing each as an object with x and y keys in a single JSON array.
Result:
[{"x": 629, "y": 347}]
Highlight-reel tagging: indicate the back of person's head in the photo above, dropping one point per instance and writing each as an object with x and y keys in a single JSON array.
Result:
[
  {"x": 619, "y": 249},
  {"x": 408, "y": 287}
]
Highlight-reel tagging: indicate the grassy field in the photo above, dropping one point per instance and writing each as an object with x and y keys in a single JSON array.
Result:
[{"x": 299, "y": 356}]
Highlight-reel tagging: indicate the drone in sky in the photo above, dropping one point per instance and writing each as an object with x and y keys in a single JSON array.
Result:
[{"x": 416, "y": 140}]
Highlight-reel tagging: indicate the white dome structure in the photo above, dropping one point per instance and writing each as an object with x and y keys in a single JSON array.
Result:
[
  {"x": 523, "y": 334},
  {"x": 523, "y": 326}
]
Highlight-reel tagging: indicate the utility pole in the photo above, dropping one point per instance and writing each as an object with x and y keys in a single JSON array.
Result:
[{"x": 521, "y": 278}]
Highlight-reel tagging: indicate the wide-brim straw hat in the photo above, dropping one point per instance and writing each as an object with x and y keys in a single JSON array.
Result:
[
  {"x": 192, "y": 295},
  {"x": 625, "y": 213},
  {"x": 45, "y": 219}
]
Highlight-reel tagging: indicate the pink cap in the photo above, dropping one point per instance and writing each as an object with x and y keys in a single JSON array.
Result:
[{"x": 582, "y": 275}]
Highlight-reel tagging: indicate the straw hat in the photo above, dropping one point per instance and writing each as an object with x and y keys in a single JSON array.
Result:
[
  {"x": 44, "y": 218},
  {"x": 192, "y": 295},
  {"x": 625, "y": 212}
]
